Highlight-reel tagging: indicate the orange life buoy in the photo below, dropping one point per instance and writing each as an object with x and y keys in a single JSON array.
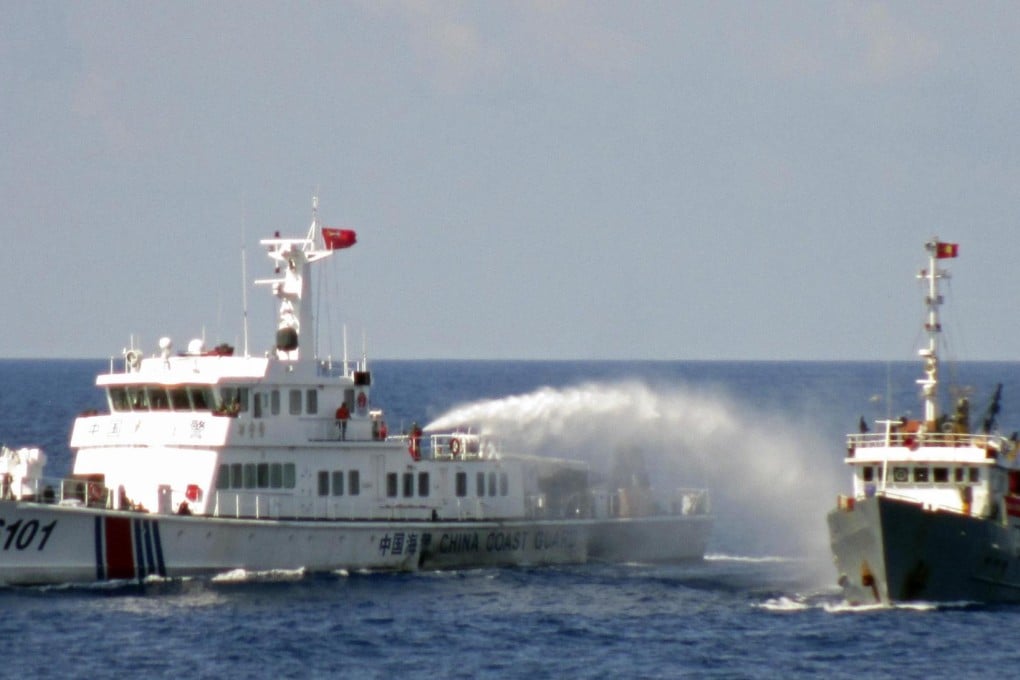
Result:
[{"x": 455, "y": 447}]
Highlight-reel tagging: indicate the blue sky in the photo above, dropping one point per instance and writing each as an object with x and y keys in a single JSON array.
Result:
[{"x": 560, "y": 180}]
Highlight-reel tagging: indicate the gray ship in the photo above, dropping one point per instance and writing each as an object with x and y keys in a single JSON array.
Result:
[{"x": 935, "y": 510}]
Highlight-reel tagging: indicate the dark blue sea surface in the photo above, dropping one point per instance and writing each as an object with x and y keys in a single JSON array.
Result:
[{"x": 767, "y": 438}]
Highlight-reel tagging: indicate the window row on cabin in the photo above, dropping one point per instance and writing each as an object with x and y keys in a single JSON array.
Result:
[
  {"x": 480, "y": 484},
  {"x": 393, "y": 481},
  {"x": 256, "y": 476},
  {"x": 229, "y": 400},
  {"x": 331, "y": 482},
  {"x": 485, "y": 485},
  {"x": 922, "y": 474}
]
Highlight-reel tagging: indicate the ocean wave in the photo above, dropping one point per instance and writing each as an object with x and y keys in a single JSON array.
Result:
[
  {"x": 833, "y": 603},
  {"x": 758, "y": 559},
  {"x": 245, "y": 576}
]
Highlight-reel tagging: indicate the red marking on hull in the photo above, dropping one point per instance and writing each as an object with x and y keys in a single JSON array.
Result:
[{"x": 120, "y": 552}]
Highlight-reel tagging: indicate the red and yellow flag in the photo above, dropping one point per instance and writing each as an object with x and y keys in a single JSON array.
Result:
[{"x": 944, "y": 250}]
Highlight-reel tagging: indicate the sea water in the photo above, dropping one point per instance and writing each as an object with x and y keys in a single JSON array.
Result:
[{"x": 767, "y": 439}]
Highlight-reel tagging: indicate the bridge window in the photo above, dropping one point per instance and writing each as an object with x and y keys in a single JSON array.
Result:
[
  {"x": 423, "y": 484},
  {"x": 940, "y": 475},
  {"x": 354, "y": 482},
  {"x": 294, "y": 399},
  {"x": 391, "y": 484},
  {"x": 323, "y": 482},
  {"x": 408, "y": 484},
  {"x": 461, "y": 484},
  {"x": 179, "y": 400},
  {"x": 118, "y": 399},
  {"x": 480, "y": 484},
  {"x": 201, "y": 398},
  {"x": 900, "y": 474},
  {"x": 974, "y": 474},
  {"x": 176, "y": 397},
  {"x": 137, "y": 398},
  {"x": 158, "y": 400},
  {"x": 338, "y": 482},
  {"x": 868, "y": 473},
  {"x": 234, "y": 399},
  {"x": 504, "y": 484},
  {"x": 492, "y": 483},
  {"x": 921, "y": 474},
  {"x": 223, "y": 477}
]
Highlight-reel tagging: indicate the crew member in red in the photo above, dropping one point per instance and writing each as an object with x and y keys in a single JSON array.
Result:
[
  {"x": 342, "y": 415},
  {"x": 415, "y": 441}
]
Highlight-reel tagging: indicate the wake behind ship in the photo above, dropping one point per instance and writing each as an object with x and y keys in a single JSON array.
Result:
[
  {"x": 935, "y": 510},
  {"x": 207, "y": 462}
]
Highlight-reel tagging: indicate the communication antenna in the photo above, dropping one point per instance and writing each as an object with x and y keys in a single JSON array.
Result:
[
  {"x": 244, "y": 278},
  {"x": 364, "y": 351},
  {"x": 345, "y": 349}
]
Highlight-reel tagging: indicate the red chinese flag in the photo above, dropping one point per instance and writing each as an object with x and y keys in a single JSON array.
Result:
[
  {"x": 944, "y": 250},
  {"x": 335, "y": 239}
]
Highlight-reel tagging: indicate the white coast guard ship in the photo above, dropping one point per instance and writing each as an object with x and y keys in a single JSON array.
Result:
[
  {"x": 206, "y": 462},
  {"x": 935, "y": 510}
]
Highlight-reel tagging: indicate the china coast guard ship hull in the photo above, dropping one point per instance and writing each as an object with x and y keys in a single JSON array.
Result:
[
  {"x": 206, "y": 462},
  {"x": 935, "y": 512}
]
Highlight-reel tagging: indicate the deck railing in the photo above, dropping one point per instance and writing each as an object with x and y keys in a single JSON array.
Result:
[
  {"x": 936, "y": 439},
  {"x": 59, "y": 491}
]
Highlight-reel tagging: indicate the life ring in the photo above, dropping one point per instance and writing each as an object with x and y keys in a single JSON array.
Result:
[{"x": 454, "y": 446}]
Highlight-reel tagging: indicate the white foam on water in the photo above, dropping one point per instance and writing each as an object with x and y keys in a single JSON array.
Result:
[
  {"x": 245, "y": 576},
  {"x": 766, "y": 559},
  {"x": 785, "y": 604}
]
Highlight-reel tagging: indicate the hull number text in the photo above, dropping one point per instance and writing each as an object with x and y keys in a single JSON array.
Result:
[{"x": 22, "y": 535}]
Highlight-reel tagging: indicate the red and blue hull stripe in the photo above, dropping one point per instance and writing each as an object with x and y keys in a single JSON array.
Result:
[{"x": 128, "y": 548}]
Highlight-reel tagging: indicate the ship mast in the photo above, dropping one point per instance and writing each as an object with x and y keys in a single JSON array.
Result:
[
  {"x": 294, "y": 257},
  {"x": 933, "y": 300}
]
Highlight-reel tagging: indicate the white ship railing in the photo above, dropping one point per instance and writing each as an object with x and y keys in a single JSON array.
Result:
[
  {"x": 942, "y": 439},
  {"x": 452, "y": 446},
  {"x": 60, "y": 491}
]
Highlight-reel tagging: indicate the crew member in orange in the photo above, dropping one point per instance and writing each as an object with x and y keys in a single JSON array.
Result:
[{"x": 342, "y": 415}]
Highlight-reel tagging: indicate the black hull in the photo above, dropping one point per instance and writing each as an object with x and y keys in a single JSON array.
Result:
[{"x": 889, "y": 550}]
